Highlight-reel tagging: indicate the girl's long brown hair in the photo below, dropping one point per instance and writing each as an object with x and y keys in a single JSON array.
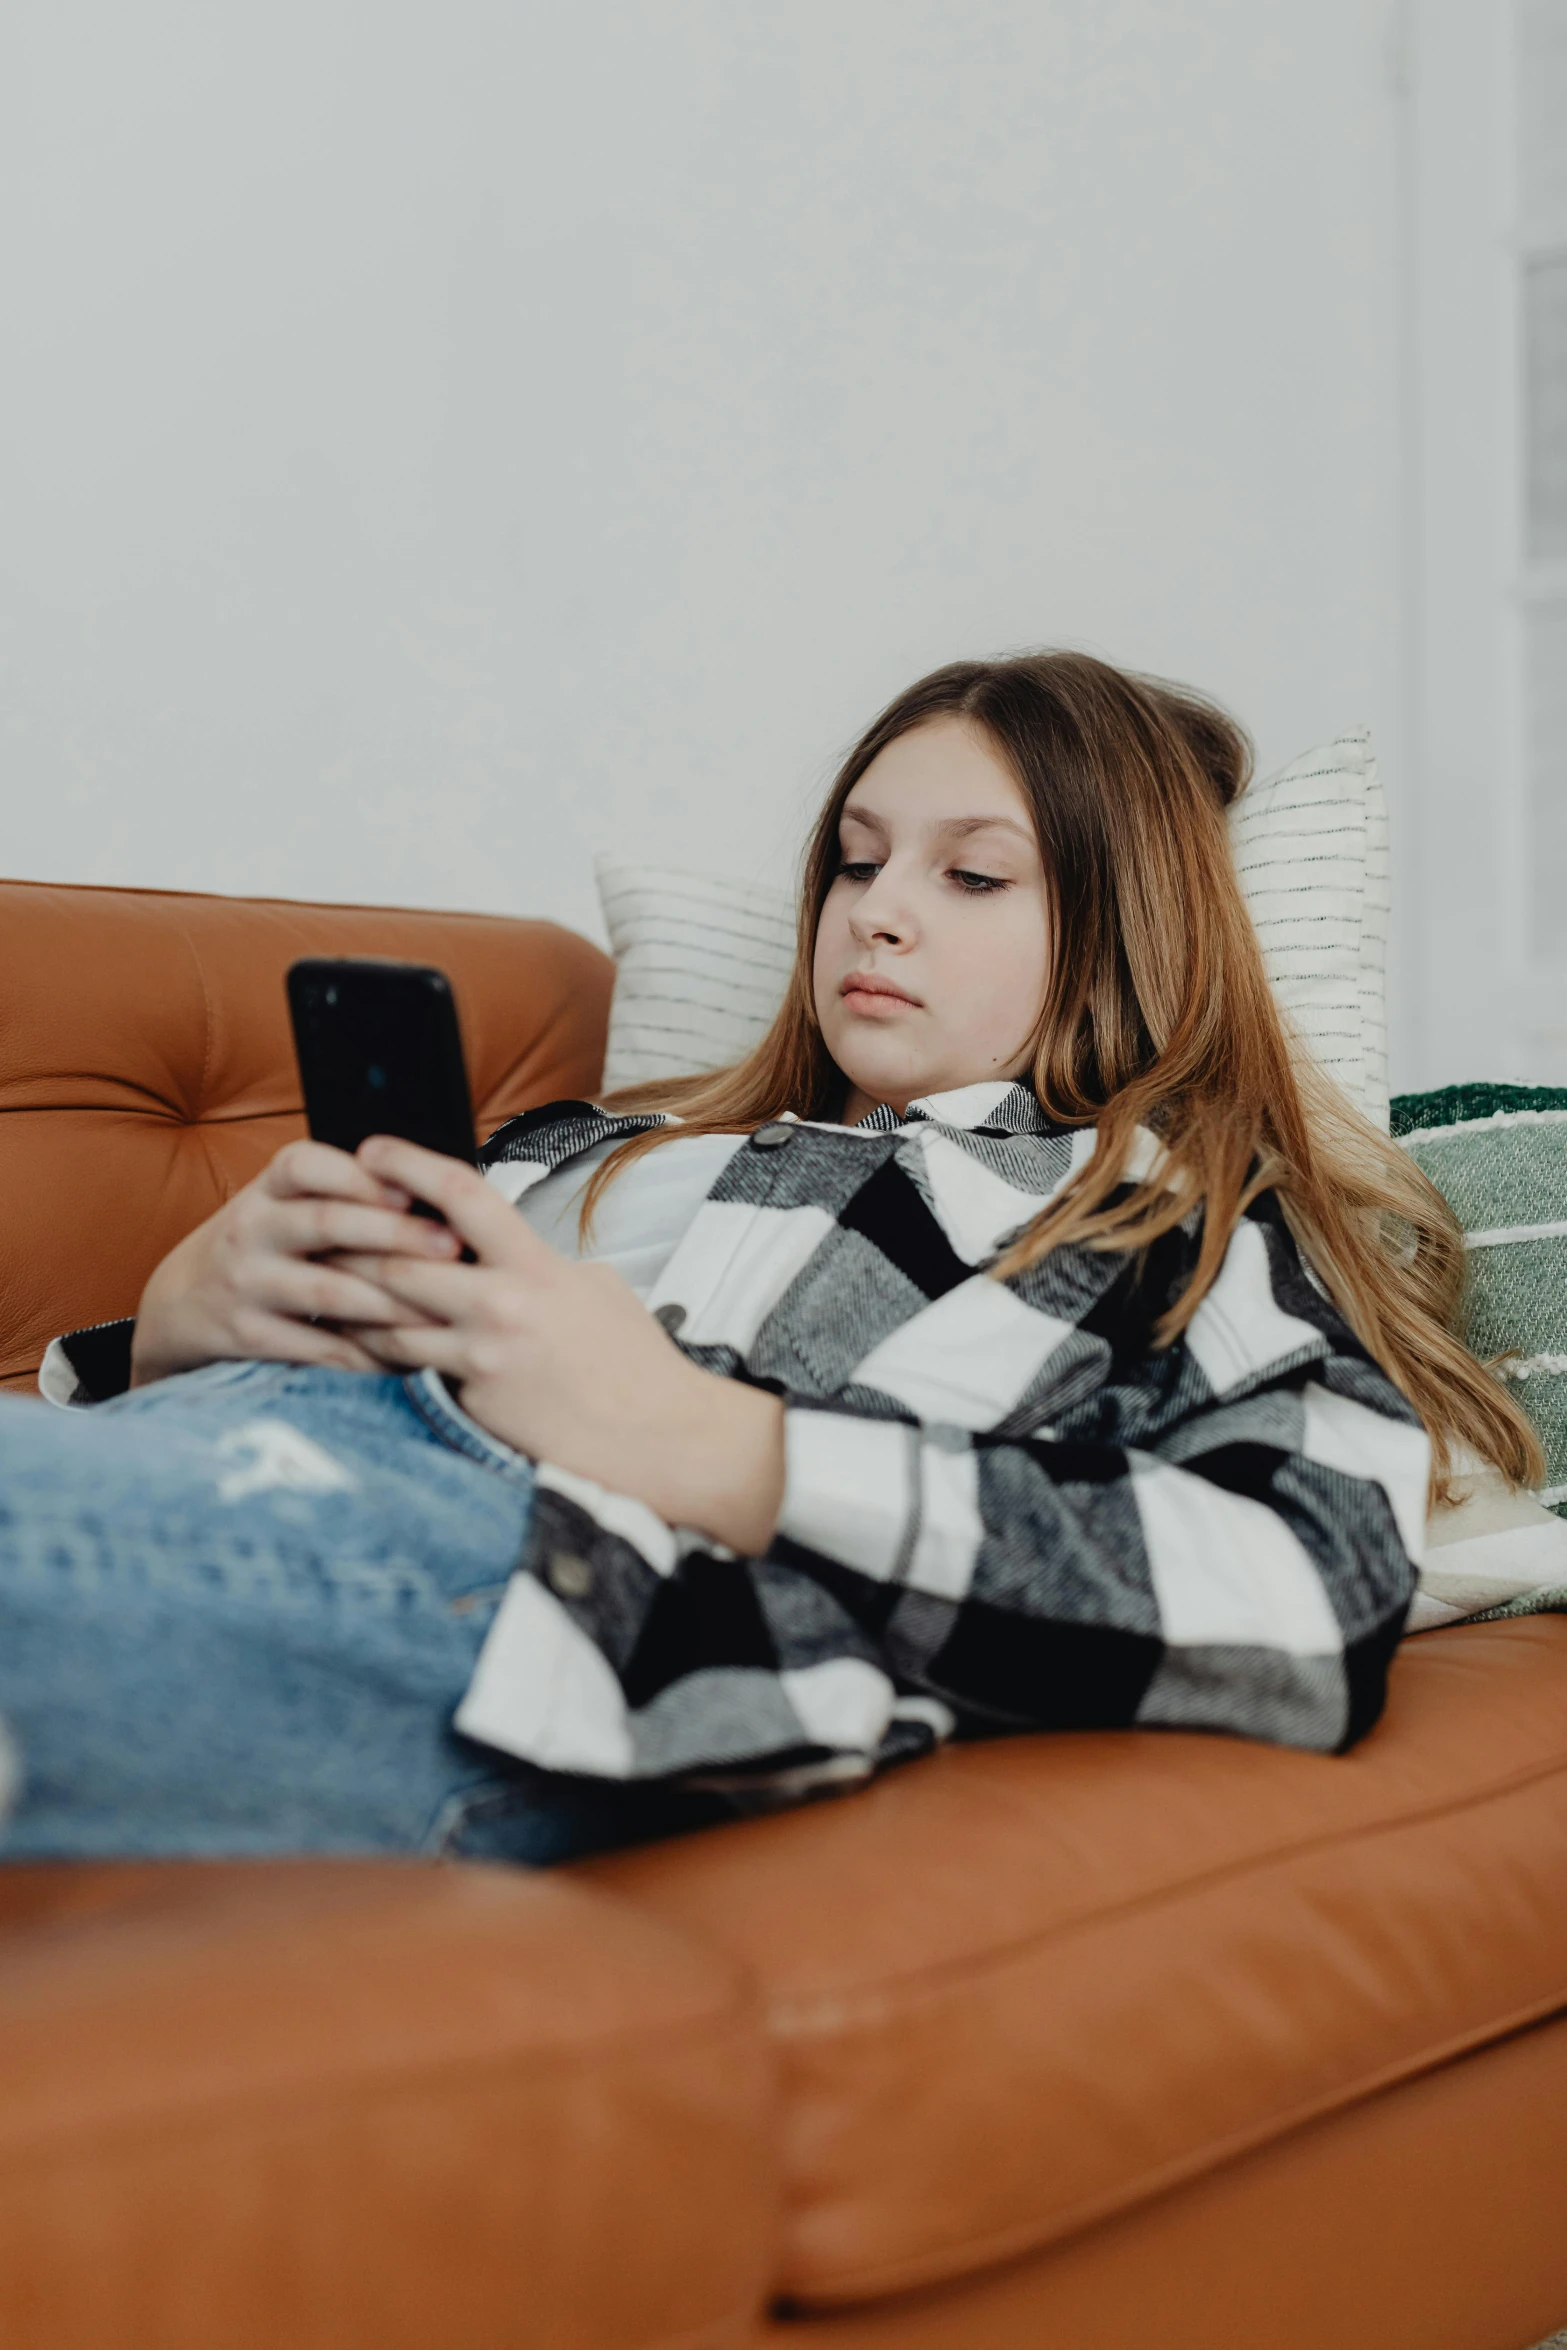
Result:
[{"x": 1157, "y": 1014}]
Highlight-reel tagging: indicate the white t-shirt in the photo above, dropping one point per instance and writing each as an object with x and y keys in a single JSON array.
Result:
[{"x": 644, "y": 1214}]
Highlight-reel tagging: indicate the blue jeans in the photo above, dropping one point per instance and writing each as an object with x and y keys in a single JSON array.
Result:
[{"x": 238, "y": 1610}]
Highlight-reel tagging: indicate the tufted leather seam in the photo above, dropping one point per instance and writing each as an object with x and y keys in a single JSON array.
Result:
[
  {"x": 539, "y": 1048},
  {"x": 208, "y": 1029},
  {"x": 245, "y": 1117},
  {"x": 154, "y": 1114}
]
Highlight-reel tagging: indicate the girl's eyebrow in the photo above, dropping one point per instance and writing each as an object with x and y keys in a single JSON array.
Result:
[
  {"x": 955, "y": 827},
  {"x": 959, "y": 827}
]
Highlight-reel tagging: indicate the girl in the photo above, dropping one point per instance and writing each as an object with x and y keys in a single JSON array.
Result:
[{"x": 1015, "y": 1340}]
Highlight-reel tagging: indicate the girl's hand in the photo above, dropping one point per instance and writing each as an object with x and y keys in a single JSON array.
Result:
[
  {"x": 257, "y": 1278},
  {"x": 564, "y": 1362}
]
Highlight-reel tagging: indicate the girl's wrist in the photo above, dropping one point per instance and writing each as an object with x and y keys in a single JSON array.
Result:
[
  {"x": 727, "y": 1464},
  {"x": 149, "y": 1347}
]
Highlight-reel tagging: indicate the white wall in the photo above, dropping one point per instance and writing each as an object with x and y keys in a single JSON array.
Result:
[
  {"x": 1488, "y": 610},
  {"x": 440, "y": 441}
]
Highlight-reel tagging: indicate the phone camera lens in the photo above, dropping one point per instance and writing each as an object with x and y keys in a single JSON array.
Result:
[
  {"x": 375, "y": 1076},
  {"x": 331, "y": 995}
]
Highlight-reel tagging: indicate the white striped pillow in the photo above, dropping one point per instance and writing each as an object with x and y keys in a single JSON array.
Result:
[
  {"x": 701, "y": 965},
  {"x": 1311, "y": 849},
  {"x": 700, "y": 969},
  {"x": 1490, "y": 1551}
]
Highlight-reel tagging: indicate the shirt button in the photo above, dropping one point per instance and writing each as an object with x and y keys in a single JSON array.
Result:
[
  {"x": 772, "y": 1138},
  {"x": 569, "y": 1576},
  {"x": 670, "y": 1315}
]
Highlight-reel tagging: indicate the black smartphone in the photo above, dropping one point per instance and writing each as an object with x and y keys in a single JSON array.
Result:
[{"x": 380, "y": 1052}]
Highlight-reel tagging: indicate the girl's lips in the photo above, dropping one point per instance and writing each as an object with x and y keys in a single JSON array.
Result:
[{"x": 863, "y": 993}]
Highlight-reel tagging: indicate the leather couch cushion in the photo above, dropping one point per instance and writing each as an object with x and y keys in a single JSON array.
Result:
[
  {"x": 1426, "y": 2218},
  {"x": 370, "y": 2106},
  {"x": 1027, "y": 1985},
  {"x": 145, "y": 1035}
]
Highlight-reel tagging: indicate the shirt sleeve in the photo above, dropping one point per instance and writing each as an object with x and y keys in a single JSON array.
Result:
[
  {"x": 87, "y": 1366},
  {"x": 1220, "y": 1535}
]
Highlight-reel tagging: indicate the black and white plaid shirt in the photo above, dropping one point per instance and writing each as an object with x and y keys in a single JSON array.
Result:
[{"x": 1004, "y": 1509}]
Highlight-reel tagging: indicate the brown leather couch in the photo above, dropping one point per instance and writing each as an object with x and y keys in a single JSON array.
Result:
[{"x": 1087, "y": 2041}]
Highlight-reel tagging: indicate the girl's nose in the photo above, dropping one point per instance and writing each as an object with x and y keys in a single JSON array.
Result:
[{"x": 881, "y": 916}]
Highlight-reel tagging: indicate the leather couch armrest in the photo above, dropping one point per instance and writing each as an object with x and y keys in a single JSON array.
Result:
[{"x": 371, "y": 2106}]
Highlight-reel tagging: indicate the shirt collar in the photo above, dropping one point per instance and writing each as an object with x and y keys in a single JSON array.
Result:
[{"x": 1001, "y": 1106}]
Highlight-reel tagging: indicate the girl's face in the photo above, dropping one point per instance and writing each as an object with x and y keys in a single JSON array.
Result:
[{"x": 934, "y": 944}]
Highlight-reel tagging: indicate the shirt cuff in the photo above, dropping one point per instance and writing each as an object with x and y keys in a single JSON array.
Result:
[
  {"x": 87, "y": 1366},
  {"x": 851, "y": 1487}
]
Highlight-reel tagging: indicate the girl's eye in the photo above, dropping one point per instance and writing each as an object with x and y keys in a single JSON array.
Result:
[{"x": 970, "y": 885}]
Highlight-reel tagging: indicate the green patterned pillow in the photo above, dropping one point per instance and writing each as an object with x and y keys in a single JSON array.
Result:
[{"x": 1498, "y": 1154}]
